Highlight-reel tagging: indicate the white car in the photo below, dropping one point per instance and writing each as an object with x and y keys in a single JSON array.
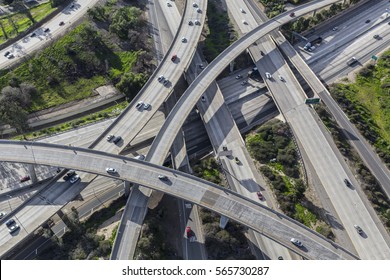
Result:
[
  {"x": 244, "y": 21},
  {"x": 169, "y": 4},
  {"x": 203, "y": 98},
  {"x": 74, "y": 179},
  {"x": 268, "y": 75},
  {"x": 281, "y": 78},
  {"x": 160, "y": 78},
  {"x": 140, "y": 157},
  {"x": 296, "y": 242},
  {"x": 110, "y": 137},
  {"x": 184, "y": 39},
  {"x": 13, "y": 228},
  {"x": 139, "y": 105},
  {"x": 111, "y": 170},
  {"x": 242, "y": 10},
  {"x": 146, "y": 106},
  {"x": 2, "y": 214},
  {"x": 194, "y": 5}
]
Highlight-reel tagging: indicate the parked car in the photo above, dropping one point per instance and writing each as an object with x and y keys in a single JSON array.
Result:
[
  {"x": 69, "y": 175},
  {"x": 117, "y": 139},
  {"x": 188, "y": 232},
  {"x": 74, "y": 179},
  {"x": 163, "y": 177},
  {"x": 111, "y": 170},
  {"x": 24, "y": 179},
  {"x": 296, "y": 242},
  {"x": 110, "y": 137}
]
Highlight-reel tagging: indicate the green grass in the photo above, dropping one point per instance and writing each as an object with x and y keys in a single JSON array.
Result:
[
  {"x": 22, "y": 22},
  {"x": 305, "y": 216}
]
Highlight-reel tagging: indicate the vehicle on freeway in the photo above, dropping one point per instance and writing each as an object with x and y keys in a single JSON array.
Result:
[
  {"x": 237, "y": 160},
  {"x": 281, "y": 78},
  {"x": 352, "y": 61},
  {"x": 368, "y": 21},
  {"x": 199, "y": 10},
  {"x": 163, "y": 177},
  {"x": 2, "y": 215},
  {"x": 262, "y": 53},
  {"x": 140, "y": 157},
  {"x": 74, "y": 179},
  {"x": 201, "y": 66},
  {"x": 194, "y": 5},
  {"x": 358, "y": 229},
  {"x": 296, "y": 242},
  {"x": 69, "y": 175},
  {"x": 244, "y": 21},
  {"x": 46, "y": 30},
  {"x": 292, "y": 14},
  {"x": 184, "y": 39},
  {"x": 160, "y": 78},
  {"x": 280, "y": 258},
  {"x": 243, "y": 83},
  {"x": 111, "y": 170},
  {"x": 61, "y": 23},
  {"x": 260, "y": 196},
  {"x": 173, "y": 58},
  {"x": 166, "y": 81},
  {"x": 13, "y": 228},
  {"x": 6, "y": 54},
  {"x": 190, "y": 23},
  {"x": 139, "y": 105},
  {"x": 242, "y": 11},
  {"x": 146, "y": 106},
  {"x": 10, "y": 222},
  {"x": 110, "y": 137},
  {"x": 117, "y": 139},
  {"x": 169, "y": 4},
  {"x": 376, "y": 36},
  {"x": 9, "y": 55},
  {"x": 238, "y": 77},
  {"x": 197, "y": 22},
  {"x": 268, "y": 75},
  {"x": 203, "y": 98},
  {"x": 33, "y": 35},
  {"x": 188, "y": 232},
  {"x": 335, "y": 28},
  {"x": 24, "y": 179},
  {"x": 347, "y": 183}
]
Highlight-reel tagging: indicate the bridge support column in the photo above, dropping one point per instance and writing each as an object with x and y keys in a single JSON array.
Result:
[
  {"x": 232, "y": 66},
  {"x": 223, "y": 222},
  {"x": 127, "y": 186},
  {"x": 33, "y": 174}
]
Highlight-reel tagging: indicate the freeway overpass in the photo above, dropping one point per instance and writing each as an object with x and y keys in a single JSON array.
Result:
[{"x": 264, "y": 220}]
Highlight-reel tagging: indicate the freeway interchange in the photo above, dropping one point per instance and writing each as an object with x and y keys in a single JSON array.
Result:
[{"x": 163, "y": 142}]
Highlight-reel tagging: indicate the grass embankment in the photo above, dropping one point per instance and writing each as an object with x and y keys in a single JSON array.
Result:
[
  {"x": 18, "y": 22},
  {"x": 220, "y": 34},
  {"x": 272, "y": 147},
  {"x": 71, "y": 68}
]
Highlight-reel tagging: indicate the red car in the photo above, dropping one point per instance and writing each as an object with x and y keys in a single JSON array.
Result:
[
  {"x": 174, "y": 57},
  {"x": 188, "y": 232},
  {"x": 292, "y": 14},
  {"x": 260, "y": 196},
  {"x": 24, "y": 179}
]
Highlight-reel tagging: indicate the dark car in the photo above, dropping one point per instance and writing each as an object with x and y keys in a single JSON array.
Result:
[
  {"x": 368, "y": 21},
  {"x": 69, "y": 175},
  {"x": 24, "y": 179},
  {"x": 292, "y": 14},
  {"x": 46, "y": 30},
  {"x": 7, "y": 54},
  {"x": 347, "y": 183},
  {"x": 163, "y": 177},
  {"x": 61, "y": 23},
  {"x": 117, "y": 139},
  {"x": 358, "y": 229},
  {"x": 10, "y": 222},
  {"x": 188, "y": 232},
  {"x": 173, "y": 58},
  {"x": 33, "y": 35},
  {"x": 260, "y": 196}
]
